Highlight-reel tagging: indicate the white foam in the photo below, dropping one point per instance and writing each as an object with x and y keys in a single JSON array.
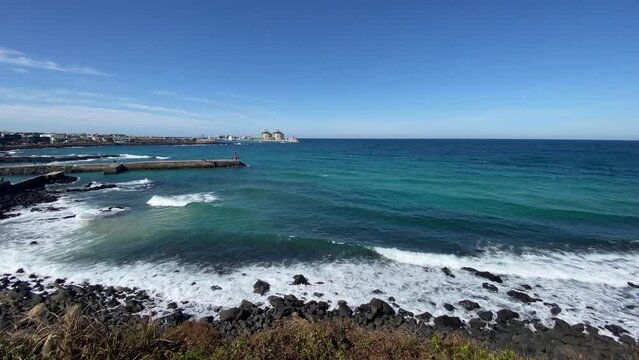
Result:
[
  {"x": 135, "y": 185},
  {"x": 412, "y": 278},
  {"x": 181, "y": 200},
  {"x": 130, "y": 156},
  {"x": 162, "y": 157},
  {"x": 614, "y": 269}
]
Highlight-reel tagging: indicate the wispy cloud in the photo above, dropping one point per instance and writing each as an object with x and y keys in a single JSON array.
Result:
[
  {"x": 17, "y": 58},
  {"x": 161, "y": 109},
  {"x": 47, "y": 96},
  {"x": 19, "y": 70},
  {"x": 199, "y": 99},
  {"x": 73, "y": 118},
  {"x": 163, "y": 92}
]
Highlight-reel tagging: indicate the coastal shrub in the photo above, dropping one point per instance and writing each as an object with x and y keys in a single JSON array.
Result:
[{"x": 75, "y": 336}]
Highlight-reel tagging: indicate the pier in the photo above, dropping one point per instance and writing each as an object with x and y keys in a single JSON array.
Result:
[{"x": 116, "y": 168}]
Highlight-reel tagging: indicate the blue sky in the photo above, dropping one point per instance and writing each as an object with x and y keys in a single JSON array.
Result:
[{"x": 427, "y": 69}]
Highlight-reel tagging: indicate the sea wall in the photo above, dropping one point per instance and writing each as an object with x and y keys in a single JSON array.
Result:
[{"x": 112, "y": 167}]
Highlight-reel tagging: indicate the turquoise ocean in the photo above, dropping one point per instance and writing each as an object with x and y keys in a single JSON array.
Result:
[{"x": 356, "y": 215}]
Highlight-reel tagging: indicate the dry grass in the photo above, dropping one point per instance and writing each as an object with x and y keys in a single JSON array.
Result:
[{"x": 79, "y": 337}]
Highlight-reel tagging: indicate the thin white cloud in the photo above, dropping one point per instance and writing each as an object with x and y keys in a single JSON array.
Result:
[
  {"x": 163, "y": 92},
  {"x": 17, "y": 58},
  {"x": 73, "y": 118},
  {"x": 19, "y": 70},
  {"x": 47, "y": 96},
  {"x": 160, "y": 109}
]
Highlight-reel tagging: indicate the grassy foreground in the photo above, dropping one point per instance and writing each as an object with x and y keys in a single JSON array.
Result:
[{"x": 78, "y": 337}]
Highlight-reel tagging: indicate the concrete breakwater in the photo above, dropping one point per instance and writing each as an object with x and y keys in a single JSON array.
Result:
[{"x": 115, "y": 168}]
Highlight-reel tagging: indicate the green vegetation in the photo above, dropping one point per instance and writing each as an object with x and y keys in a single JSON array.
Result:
[{"x": 78, "y": 337}]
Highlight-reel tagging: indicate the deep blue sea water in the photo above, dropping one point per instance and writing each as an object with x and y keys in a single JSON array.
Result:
[{"x": 357, "y": 215}]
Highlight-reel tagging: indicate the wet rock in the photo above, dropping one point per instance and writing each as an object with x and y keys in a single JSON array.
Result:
[
  {"x": 615, "y": 329},
  {"x": 476, "y": 323},
  {"x": 489, "y": 276},
  {"x": 33, "y": 243},
  {"x": 172, "y": 305},
  {"x": 425, "y": 316},
  {"x": 215, "y": 288},
  {"x": 391, "y": 299},
  {"x": 523, "y": 297},
  {"x": 485, "y": 315},
  {"x": 193, "y": 283},
  {"x": 230, "y": 314},
  {"x": 490, "y": 287},
  {"x": 554, "y": 308},
  {"x": 20, "y": 271},
  {"x": 448, "y": 322},
  {"x": 318, "y": 294},
  {"x": 447, "y": 271},
  {"x": 526, "y": 286},
  {"x": 484, "y": 274},
  {"x": 343, "y": 310},
  {"x": 633, "y": 285},
  {"x": 92, "y": 186},
  {"x": 449, "y": 307},
  {"x": 300, "y": 280},
  {"x": 261, "y": 287},
  {"x": 380, "y": 307},
  {"x": 133, "y": 305},
  {"x": 627, "y": 339},
  {"x": 377, "y": 292},
  {"x": 469, "y": 305},
  {"x": 505, "y": 315}
]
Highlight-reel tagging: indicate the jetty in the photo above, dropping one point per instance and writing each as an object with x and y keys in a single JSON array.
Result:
[{"x": 116, "y": 168}]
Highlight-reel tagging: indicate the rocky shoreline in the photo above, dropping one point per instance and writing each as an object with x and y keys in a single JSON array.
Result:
[{"x": 27, "y": 300}]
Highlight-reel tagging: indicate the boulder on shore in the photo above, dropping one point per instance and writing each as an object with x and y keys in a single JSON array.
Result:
[
  {"x": 300, "y": 280},
  {"x": 261, "y": 287}
]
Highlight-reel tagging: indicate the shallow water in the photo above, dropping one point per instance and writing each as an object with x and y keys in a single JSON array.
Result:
[{"x": 358, "y": 215}]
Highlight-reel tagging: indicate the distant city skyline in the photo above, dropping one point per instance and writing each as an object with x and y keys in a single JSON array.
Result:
[{"x": 441, "y": 69}]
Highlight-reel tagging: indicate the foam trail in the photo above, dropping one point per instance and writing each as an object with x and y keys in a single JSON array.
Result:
[
  {"x": 614, "y": 269},
  {"x": 130, "y": 156},
  {"x": 135, "y": 185},
  {"x": 181, "y": 200}
]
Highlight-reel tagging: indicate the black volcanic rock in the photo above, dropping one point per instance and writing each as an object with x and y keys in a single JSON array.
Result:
[
  {"x": 300, "y": 280},
  {"x": 261, "y": 287},
  {"x": 447, "y": 271},
  {"x": 425, "y": 317},
  {"x": 489, "y": 276},
  {"x": 504, "y": 315},
  {"x": 380, "y": 307},
  {"x": 554, "y": 308},
  {"x": 449, "y": 307},
  {"x": 490, "y": 287},
  {"x": 484, "y": 274},
  {"x": 230, "y": 314},
  {"x": 485, "y": 315},
  {"x": 448, "y": 322},
  {"x": 523, "y": 297},
  {"x": 469, "y": 305}
]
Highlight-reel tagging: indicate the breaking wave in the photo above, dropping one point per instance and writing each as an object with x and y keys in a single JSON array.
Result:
[{"x": 181, "y": 200}]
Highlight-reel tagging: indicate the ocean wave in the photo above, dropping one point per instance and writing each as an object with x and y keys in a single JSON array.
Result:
[
  {"x": 614, "y": 269},
  {"x": 181, "y": 200},
  {"x": 134, "y": 185},
  {"x": 413, "y": 288},
  {"x": 130, "y": 156}
]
